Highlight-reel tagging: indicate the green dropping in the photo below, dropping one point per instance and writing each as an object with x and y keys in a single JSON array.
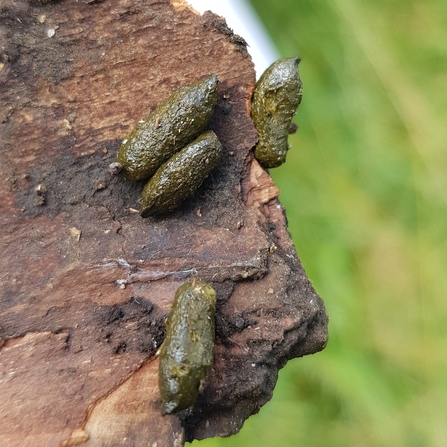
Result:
[
  {"x": 175, "y": 123},
  {"x": 187, "y": 350},
  {"x": 276, "y": 97},
  {"x": 181, "y": 175}
]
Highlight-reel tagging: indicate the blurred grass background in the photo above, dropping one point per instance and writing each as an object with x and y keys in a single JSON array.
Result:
[{"x": 365, "y": 188}]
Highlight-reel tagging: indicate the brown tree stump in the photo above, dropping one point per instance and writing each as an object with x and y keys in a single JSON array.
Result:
[{"x": 86, "y": 283}]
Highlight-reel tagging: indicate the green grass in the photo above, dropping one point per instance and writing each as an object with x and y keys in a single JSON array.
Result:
[{"x": 365, "y": 187}]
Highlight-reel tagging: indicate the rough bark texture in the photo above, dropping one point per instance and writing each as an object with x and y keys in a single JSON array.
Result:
[{"x": 86, "y": 283}]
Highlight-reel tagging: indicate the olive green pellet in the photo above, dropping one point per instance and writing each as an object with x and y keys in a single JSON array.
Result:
[
  {"x": 175, "y": 123},
  {"x": 181, "y": 175},
  {"x": 187, "y": 350},
  {"x": 276, "y": 98}
]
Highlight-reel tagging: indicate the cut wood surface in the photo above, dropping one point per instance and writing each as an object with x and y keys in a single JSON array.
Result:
[{"x": 86, "y": 283}]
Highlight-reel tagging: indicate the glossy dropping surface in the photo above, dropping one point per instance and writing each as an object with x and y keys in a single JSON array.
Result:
[
  {"x": 181, "y": 175},
  {"x": 276, "y": 98},
  {"x": 172, "y": 125},
  {"x": 187, "y": 350}
]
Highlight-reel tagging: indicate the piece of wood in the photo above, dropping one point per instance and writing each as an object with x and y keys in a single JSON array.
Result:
[{"x": 86, "y": 283}]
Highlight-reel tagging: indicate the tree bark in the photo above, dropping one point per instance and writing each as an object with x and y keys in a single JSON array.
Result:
[{"x": 86, "y": 283}]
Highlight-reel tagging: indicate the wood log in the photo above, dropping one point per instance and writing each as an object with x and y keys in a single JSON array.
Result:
[{"x": 86, "y": 283}]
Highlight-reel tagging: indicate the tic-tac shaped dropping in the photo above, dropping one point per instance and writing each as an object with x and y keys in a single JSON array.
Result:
[
  {"x": 275, "y": 100},
  {"x": 172, "y": 125},
  {"x": 187, "y": 350},
  {"x": 181, "y": 175}
]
